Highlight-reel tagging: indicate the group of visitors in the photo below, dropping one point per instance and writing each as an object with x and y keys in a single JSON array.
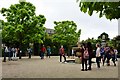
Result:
[
  {"x": 101, "y": 54},
  {"x": 109, "y": 53},
  {"x": 86, "y": 57},
  {"x": 44, "y": 51},
  {"x": 12, "y": 53}
]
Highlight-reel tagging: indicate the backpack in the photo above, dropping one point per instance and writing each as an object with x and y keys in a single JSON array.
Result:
[
  {"x": 86, "y": 54},
  {"x": 102, "y": 51}
]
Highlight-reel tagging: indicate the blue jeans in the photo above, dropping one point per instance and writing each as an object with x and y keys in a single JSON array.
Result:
[{"x": 42, "y": 55}]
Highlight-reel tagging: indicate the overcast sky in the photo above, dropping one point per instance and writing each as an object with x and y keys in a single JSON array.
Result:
[{"x": 59, "y": 10}]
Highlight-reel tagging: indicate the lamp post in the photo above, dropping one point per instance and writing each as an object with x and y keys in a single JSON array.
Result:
[{"x": 103, "y": 43}]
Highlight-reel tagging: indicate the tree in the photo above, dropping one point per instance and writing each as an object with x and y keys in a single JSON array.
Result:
[
  {"x": 116, "y": 42},
  {"x": 23, "y": 26},
  {"x": 111, "y": 10},
  {"x": 65, "y": 33},
  {"x": 92, "y": 41}
]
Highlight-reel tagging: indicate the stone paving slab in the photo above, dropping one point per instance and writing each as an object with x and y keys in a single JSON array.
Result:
[{"x": 52, "y": 68}]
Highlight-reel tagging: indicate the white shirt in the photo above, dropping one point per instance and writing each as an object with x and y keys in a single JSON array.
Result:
[
  {"x": 115, "y": 50},
  {"x": 6, "y": 49},
  {"x": 98, "y": 52}
]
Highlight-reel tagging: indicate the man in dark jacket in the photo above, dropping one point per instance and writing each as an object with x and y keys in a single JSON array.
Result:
[{"x": 90, "y": 51}]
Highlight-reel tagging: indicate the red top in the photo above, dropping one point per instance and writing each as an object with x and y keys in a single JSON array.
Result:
[
  {"x": 43, "y": 49},
  {"x": 61, "y": 51}
]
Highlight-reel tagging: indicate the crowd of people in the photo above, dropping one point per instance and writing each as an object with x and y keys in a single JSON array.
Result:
[
  {"x": 11, "y": 52},
  {"x": 103, "y": 54}
]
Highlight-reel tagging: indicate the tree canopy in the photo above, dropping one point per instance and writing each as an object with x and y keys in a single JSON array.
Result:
[
  {"x": 111, "y": 10},
  {"x": 23, "y": 25},
  {"x": 65, "y": 32}
]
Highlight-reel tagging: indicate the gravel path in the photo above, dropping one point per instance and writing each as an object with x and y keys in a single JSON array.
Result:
[{"x": 51, "y": 68}]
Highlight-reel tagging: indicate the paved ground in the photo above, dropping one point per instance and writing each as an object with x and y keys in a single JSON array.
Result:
[{"x": 51, "y": 68}]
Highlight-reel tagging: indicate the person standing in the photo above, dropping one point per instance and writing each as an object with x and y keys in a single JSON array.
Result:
[
  {"x": 116, "y": 52},
  {"x": 19, "y": 53},
  {"x": 48, "y": 51},
  {"x": 102, "y": 53},
  {"x": 5, "y": 53},
  {"x": 14, "y": 53},
  {"x": 83, "y": 57},
  {"x": 98, "y": 55},
  {"x": 29, "y": 52},
  {"x": 9, "y": 53},
  {"x": 112, "y": 53},
  {"x": 62, "y": 53},
  {"x": 107, "y": 55},
  {"x": 43, "y": 50},
  {"x": 90, "y": 51}
]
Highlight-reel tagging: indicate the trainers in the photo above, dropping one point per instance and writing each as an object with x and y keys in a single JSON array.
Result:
[
  {"x": 89, "y": 69},
  {"x": 82, "y": 69},
  {"x": 108, "y": 64},
  {"x": 85, "y": 69},
  {"x": 65, "y": 62}
]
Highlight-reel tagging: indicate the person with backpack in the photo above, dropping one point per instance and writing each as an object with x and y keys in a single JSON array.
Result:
[
  {"x": 29, "y": 52},
  {"x": 85, "y": 57},
  {"x": 98, "y": 55},
  {"x": 48, "y": 51},
  {"x": 82, "y": 57},
  {"x": 62, "y": 53}
]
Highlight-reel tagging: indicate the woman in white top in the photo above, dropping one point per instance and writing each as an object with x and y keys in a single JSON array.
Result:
[
  {"x": 14, "y": 53},
  {"x": 98, "y": 55}
]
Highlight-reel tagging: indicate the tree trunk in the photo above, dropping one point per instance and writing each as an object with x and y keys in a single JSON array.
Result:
[{"x": 69, "y": 50}]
